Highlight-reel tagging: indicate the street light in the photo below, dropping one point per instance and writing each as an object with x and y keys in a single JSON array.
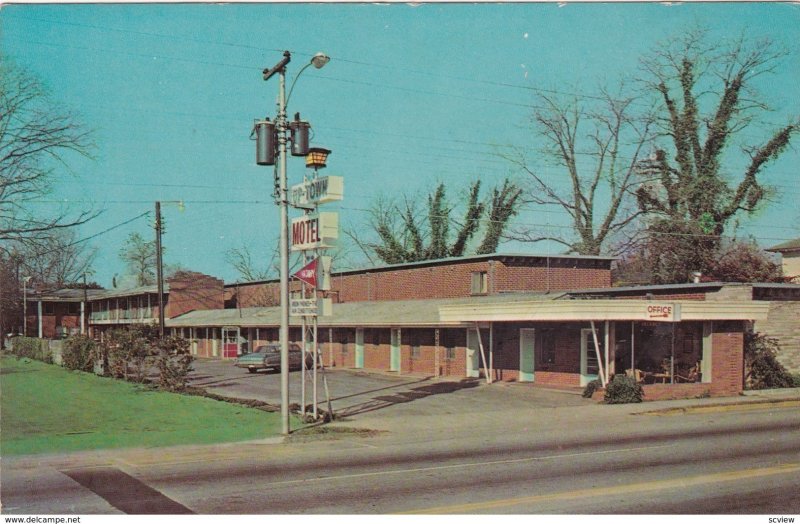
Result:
[{"x": 265, "y": 155}]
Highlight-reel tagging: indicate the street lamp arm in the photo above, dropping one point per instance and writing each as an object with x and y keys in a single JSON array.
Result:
[{"x": 291, "y": 88}]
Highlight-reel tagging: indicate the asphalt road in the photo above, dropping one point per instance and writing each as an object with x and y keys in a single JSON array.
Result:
[{"x": 574, "y": 460}]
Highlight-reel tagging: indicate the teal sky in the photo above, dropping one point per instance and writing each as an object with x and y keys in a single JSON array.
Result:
[{"x": 413, "y": 96}]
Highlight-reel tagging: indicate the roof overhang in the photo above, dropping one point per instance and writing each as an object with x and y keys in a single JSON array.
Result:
[{"x": 599, "y": 310}]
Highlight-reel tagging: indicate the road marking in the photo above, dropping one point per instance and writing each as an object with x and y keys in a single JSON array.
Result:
[
  {"x": 656, "y": 485},
  {"x": 463, "y": 465}
]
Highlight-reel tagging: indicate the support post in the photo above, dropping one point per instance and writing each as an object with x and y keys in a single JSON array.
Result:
[
  {"x": 483, "y": 355},
  {"x": 603, "y": 380}
]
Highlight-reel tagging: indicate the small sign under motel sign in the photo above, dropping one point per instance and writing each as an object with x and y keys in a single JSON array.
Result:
[
  {"x": 310, "y": 307},
  {"x": 315, "y": 231},
  {"x": 660, "y": 312}
]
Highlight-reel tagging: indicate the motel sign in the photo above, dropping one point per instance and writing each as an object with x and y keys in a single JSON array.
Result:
[{"x": 315, "y": 231}]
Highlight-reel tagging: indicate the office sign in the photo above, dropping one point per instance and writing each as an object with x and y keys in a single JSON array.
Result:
[
  {"x": 315, "y": 231},
  {"x": 317, "y": 191},
  {"x": 660, "y": 312}
]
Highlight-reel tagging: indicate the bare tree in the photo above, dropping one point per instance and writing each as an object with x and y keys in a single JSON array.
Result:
[
  {"x": 241, "y": 258},
  {"x": 36, "y": 135},
  {"x": 139, "y": 256},
  {"x": 689, "y": 75},
  {"x": 707, "y": 170},
  {"x": 57, "y": 259},
  {"x": 596, "y": 144}
]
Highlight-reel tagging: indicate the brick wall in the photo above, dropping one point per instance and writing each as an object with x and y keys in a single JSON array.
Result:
[
  {"x": 189, "y": 291},
  {"x": 727, "y": 359},
  {"x": 675, "y": 391},
  {"x": 445, "y": 280}
]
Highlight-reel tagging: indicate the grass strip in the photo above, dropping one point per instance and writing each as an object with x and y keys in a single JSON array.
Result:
[{"x": 47, "y": 409}]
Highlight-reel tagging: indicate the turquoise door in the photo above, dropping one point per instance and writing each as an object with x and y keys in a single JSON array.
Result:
[
  {"x": 527, "y": 346},
  {"x": 394, "y": 357},
  {"x": 590, "y": 366},
  {"x": 359, "y": 348}
]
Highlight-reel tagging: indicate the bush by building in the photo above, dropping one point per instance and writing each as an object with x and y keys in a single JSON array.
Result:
[
  {"x": 79, "y": 353},
  {"x": 623, "y": 390},
  {"x": 762, "y": 369},
  {"x": 33, "y": 348}
]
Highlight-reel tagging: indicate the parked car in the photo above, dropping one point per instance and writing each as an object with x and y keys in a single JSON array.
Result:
[{"x": 269, "y": 357}]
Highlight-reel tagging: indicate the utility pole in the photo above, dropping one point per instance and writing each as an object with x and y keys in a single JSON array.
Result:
[
  {"x": 265, "y": 156},
  {"x": 159, "y": 272},
  {"x": 84, "y": 305}
]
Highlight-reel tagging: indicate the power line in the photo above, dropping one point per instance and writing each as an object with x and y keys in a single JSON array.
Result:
[{"x": 112, "y": 228}]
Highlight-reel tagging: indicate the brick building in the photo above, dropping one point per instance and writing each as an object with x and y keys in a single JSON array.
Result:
[
  {"x": 509, "y": 318},
  {"x": 549, "y": 320},
  {"x": 64, "y": 312}
]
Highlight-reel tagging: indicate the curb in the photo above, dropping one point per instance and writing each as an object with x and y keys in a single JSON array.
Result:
[{"x": 725, "y": 407}]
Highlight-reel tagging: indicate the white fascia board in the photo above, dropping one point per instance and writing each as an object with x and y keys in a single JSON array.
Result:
[{"x": 585, "y": 310}]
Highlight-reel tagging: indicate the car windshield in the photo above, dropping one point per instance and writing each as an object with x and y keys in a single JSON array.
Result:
[{"x": 267, "y": 349}]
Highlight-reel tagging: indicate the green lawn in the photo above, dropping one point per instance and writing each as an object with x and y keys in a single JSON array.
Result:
[{"x": 45, "y": 409}]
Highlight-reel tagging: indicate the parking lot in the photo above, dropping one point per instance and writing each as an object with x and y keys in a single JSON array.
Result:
[{"x": 383, "y": 399}]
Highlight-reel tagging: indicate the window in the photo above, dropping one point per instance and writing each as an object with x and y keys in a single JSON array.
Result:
[
  {"x": 48, "y": 308},
  {"x": 447, "y": 340},
  {"x": 480, "y": 282},
  {"x": 73, "y": 308},
  {"x": 547, "y": 344},
  {"x": 415, "y": 349}
]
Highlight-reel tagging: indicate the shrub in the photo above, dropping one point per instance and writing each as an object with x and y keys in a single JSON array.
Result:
[
  {"x": 78, "y": 353},
  {"x": 130, "y": 352},
  {"x": 762, "y": 369},
  {"x": 174, "y": 363},
  {"x": 623, "y": 390},
  {"x": 796, "y": 380},
  {"x": 28, "y": 347},
  {"x": 590, "y": 388}
]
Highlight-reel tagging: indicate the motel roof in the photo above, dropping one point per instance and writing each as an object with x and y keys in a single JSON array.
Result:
[
  {"x": 384, "y": 313},
  {"x": 77, "y": 295},
  {"x": 468, "y": 311},
  {"x": 786, "y": 247}
]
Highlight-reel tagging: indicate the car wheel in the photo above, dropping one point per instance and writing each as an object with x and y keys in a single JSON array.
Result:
[{"x": 252, "y": 370}]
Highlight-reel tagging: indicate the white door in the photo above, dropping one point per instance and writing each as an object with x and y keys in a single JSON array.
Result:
[
  {"x": 473, "y": 354},
  {"x": 589, "y": 364},
  {"x": 527, "y": 345},
  {"x": 359, "y": 348}
]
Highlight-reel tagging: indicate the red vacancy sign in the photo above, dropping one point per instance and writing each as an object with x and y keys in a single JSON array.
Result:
[{"x": 308, "y": 273}]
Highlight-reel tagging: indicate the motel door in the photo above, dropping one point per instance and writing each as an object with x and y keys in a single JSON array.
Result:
[
  {"x": 359, "y": 348},
  {"x": 589, "y": 364},
  {"x": 473, "y": 354},
  {"x": 394, "y": 357},
  {"x": 230, "y": 342},
  {"x": 527, "y": 345}
]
